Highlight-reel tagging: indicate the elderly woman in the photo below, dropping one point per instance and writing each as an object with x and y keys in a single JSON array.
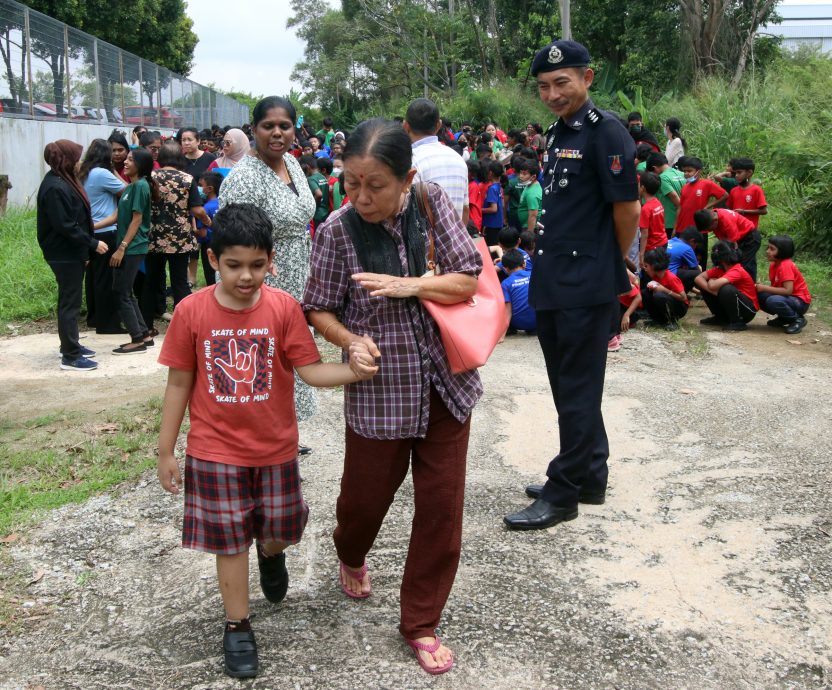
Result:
[
  {"x": 272, "y": 180},
  {"x": 369, "y": 266},
  {"x": 66, "y": 239}
]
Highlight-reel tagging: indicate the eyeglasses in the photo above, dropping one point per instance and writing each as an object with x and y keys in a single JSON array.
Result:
[{"x": 227, "y": 142}]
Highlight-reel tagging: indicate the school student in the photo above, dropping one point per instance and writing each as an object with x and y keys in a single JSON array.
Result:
[
  {"x": 651, "y": 219},
  {"x": 788, "y": 295},
  {"x": 475, "y": 197},
  {"x": 520, "y": 316},
  {"x": 629, "y": 306},
  {"x": 531, "y": 198},
  {"x": 730, "y": 226},
  {"x": 697, "y": 194},
  {"x": 681, "y": 250},
  {"x": 672, "y": 181},
  {"x": 664, "y": 295},
  {"x": 492, "y": 205},
  {"x": 746, "y": 198},
  {"x": 210, "y": 182},
  {"x": 232, "y": 350},
  {"x": 728, "y": 290}
]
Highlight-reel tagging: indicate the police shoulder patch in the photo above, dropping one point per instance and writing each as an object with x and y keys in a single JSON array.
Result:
[
  {"x": 615, "y": 164},
  {"x": 594, "y": 116}
]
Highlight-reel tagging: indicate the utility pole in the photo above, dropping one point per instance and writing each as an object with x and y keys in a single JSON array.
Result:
[
  {"x": 565, "y": 20},
  {"x": 451, "y": 9}
]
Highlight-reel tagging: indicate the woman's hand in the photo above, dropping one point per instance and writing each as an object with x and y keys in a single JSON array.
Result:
[
  {"x": 381, "y": 285},
  {"x": 101, "y": 248},
  {"x": 362, "y": 357},
  {"x": 115, "y": 259}
]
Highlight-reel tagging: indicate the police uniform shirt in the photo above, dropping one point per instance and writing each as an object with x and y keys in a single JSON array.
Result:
[{"x": 589, "y": 164}]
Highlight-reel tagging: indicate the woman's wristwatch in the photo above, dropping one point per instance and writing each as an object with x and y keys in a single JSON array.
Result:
[{"x": 123, "y": 245}]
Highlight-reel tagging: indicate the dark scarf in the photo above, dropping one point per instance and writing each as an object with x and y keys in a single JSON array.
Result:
[
  {"x": 62, "y": 156},
  {"x": 376, "y": 249}
]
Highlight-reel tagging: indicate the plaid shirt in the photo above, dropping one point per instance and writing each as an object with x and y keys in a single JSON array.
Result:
[{"x": 395, "y": 402}]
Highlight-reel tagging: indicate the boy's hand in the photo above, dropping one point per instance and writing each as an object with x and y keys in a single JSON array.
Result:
[
  {"x": 362, "y": 358},
  {"x": 168, "y": 472}
]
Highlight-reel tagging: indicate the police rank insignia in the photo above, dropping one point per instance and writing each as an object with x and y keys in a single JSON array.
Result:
[
  {"x": 555, "y": 55},
  {"x": 615, "y": 164}
]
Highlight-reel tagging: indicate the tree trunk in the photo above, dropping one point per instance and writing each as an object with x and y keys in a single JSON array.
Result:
[
  {"x": 476, "y": 24},
  {"x": 761, "y": 10},
  {"x": 495, "y": 31}
]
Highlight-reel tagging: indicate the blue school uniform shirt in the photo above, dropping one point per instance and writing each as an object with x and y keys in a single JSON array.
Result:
[
  {"x": 527, "y": 262},
  {"x": 516, "y": 291},
  {"x": 211, "y": 207},
  {"x": 681, "y": 255},
  {"x": 494, "y": 196}
]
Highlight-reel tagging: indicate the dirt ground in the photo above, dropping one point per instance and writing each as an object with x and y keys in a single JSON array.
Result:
[{"x": 710, "y": 566}]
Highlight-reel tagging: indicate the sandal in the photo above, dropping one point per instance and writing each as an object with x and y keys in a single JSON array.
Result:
[
  {"x": 430, "y": 649},
  {"x": 358, "y": 574}
]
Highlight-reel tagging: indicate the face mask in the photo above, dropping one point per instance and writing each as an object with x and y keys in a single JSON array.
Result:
[
  {"x": 688, "y": 180},
  {"x": 635, "y": 129}
]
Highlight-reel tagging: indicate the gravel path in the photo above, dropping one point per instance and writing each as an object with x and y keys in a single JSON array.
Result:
[{"x": 710, "y": 566}]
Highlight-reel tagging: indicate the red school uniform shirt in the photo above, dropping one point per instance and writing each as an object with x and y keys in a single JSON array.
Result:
[
  {"x": 672, "y": 282},
  {"x": 626, "y": 299},
  {"x": 740, "y": 279},
  {"x": 750, "y": 197},
  {"x": 783, "y": 271},
  {"x": 694, "y": 197},
  {"x": 652, "y": 220},
  {"x": 242, "y": 404},
  {"x": 731, "y": 226},
  {"x": 475, "y": 198}
]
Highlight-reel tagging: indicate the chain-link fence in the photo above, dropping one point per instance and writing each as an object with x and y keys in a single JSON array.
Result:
[{"x": 51, "y": 71}]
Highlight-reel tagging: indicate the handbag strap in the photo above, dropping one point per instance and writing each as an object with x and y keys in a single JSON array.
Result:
[{"x": 422, "y": 201}]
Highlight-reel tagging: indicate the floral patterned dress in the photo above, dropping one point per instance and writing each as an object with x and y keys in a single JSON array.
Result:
[
  {"x": 252, "y": 181},
  {"x": 171, "y": 231}
]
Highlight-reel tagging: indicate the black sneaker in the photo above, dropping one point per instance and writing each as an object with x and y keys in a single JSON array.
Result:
[
  {"x": 736, "y": 326},
  {"x": 274, "y": 578},
  {"x": 712, "y": 321},
  {"x": 796, "y": 326},
  {"x": 240, "y": 649},
  {"x": 777, "y": 322},
  {"x": 671, "y": 326}
]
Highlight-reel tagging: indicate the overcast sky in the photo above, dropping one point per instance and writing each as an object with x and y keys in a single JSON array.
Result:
[{"x": 244, "y": 45}]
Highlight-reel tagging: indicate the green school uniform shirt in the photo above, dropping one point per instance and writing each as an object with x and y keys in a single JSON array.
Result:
[
  {"x": 672, "y": 181},
  {"x": 530, "y": 200},
  {"x": 136, "y": 198},
  {"x": 318, "y": 181}
]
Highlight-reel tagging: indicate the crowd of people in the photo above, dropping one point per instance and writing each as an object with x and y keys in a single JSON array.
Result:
[{"x": 331, "y": 220}]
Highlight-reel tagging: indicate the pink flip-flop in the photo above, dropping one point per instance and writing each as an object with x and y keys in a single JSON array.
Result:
[
  {"x": 357, "y": 574},
  {"x": 430, "y": 649}
]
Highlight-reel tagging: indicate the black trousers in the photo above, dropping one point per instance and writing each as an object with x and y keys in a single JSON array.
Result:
[
  {"x": 128, "y": 306},
  {"x": 104, "y": 315},
  {"x": 730, "y": 305},
  {"x": 687, "y": 276},
  {"x": 154, "y": 281},
  {"x": 662, "y": 307},
  {"x": 70, "y": 278},
  {"x": 207, "y": 270},
  {"x": 702, "y": 251},
  {"x": 574, "y": 344},
  {"x": 749, "y": 246}
]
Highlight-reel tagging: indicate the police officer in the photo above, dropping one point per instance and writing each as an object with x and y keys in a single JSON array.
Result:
[{"x": 590, "y": 217}]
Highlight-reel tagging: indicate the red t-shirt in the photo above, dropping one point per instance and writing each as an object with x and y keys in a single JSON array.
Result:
[
  {"x": 652, "y": 220},
  {"x": 740, "y": 279},
  {"x": 731, "y": 226},
  {"x": 242, "y": 404},
  {"x": 694, "y": 197},
  {"x": 750, "y": 197},
  {"x": 781, "y": 271},
  {"x": 672, "y": 282},
  {"x": 627, "y": 298},
  {"x": 475, "y": 204}
]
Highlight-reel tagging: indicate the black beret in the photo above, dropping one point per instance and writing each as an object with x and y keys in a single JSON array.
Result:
[{"x": 559, "y": 55}]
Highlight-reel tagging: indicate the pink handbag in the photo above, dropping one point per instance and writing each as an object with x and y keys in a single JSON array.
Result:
[{"x": 471, "y": 329}]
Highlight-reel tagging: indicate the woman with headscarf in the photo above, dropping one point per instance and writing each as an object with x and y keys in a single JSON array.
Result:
[
  {"x": 235, "y": 147},
  {"x": 66, "y": 239}
]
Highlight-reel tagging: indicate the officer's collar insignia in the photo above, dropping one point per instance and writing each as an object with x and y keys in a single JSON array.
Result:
[
  {"x": 615, "y": 164},
  {"x": 555, "y": 55},
  {"x": 594, "y": 116}
]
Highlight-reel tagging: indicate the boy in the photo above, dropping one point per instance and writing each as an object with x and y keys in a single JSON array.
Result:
[
  {"x": 519, "y": 315},
  {"x": 210, "y": 182},
  {"x": 747, "y": 199},
  {"x": 664, "y": 295},
  {"x": 731, "y": 227},
  {"x": 319, "y": 186},
  {"x": 508, "y": 239},
  {"x": 651, "y": 220},
  {"x": 681, "y": 250},
  {"x": 697, "y": 194},
  {"x": 231, "y": 349},
  {"x": 531, "y": 200},
  {"x": 672, "y": 181},
  {"x": 326, "y": 133}
]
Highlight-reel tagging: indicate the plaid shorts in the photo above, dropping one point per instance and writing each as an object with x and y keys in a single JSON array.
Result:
[{"x": 227, "y": 506}]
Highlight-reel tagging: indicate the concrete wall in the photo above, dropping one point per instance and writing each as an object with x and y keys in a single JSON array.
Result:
[{"x": 21, "y": 150}]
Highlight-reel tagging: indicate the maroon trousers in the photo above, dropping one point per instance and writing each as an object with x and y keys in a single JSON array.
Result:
[{"x": 373, "y": 471}]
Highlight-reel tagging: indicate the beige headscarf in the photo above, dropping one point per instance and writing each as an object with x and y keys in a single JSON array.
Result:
[{"x": 238, "y": 150}]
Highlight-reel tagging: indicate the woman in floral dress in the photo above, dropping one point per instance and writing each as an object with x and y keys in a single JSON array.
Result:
[{"x": 272, "y": 179}]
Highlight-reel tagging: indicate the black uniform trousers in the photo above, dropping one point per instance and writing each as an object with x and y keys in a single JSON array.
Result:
[
  {"x": 574, "y": 344},
  {"x": 70, "y": 278},
  {"x": 749, "y": 246},
  {"x": 105, "y": 317}
]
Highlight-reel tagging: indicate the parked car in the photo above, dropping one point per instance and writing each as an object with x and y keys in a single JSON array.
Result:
[{"x": 145, "y": 115}]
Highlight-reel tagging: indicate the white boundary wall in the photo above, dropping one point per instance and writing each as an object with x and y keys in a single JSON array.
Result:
[{"x": 21, "y": 150}]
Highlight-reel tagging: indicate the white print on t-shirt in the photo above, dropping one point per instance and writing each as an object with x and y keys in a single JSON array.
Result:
[{"x": 235, "y": 365}]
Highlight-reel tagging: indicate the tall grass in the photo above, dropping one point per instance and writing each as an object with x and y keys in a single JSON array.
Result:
[{"x": 27, "y": 286}]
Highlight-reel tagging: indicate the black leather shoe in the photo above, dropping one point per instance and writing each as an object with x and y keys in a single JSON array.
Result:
[
  {"x": 240, "y": 654},
  {"x": 796, "y": 326},
  {"x": 540, "y": 515},
  {"x": 536, "y": 491},
  {"x": 274, "y": 578}
]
